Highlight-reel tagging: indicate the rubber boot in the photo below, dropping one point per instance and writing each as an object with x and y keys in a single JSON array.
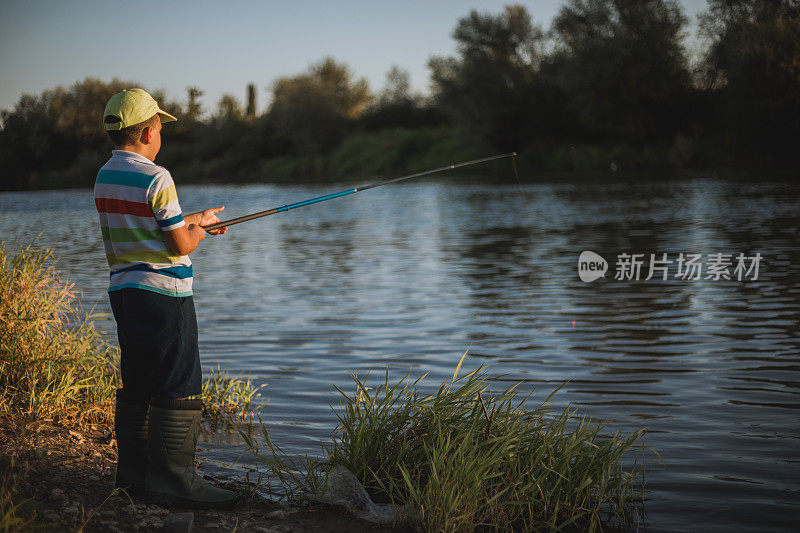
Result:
[
  {"x": 130, "y": 428},
  {"x": 171, "y": 477}
]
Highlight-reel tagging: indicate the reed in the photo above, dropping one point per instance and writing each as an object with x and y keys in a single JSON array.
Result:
[
  {"x": 228, "y": 397},
  {"x": 55, "y": 366},
  {"x": 464, "y": 458}
]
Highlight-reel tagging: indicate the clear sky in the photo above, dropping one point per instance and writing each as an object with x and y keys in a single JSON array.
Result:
[{"x": 224, "y": 45}]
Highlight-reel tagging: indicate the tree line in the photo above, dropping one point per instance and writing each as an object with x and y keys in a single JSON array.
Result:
[{"x": 608, "y": 86}]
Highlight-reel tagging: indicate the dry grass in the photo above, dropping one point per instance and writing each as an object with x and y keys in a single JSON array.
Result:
[{"x": 54, "y": 365}]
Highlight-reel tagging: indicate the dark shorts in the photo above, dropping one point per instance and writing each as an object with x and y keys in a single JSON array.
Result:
[{"x": 158, "y": 339}]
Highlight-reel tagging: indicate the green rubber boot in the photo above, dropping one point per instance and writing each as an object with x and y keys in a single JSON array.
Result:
[
  {"x": 171, "y": 477},
  {"x": 130, "y": 429}
]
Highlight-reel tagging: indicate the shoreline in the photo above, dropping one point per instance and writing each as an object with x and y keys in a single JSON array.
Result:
[{"x": 67, "y": 478}]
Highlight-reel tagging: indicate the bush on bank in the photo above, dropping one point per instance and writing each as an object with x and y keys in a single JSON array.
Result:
[{"x": 464, "y": 457}]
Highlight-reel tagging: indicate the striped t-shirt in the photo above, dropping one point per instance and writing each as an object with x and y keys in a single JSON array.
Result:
[{"x": 137, "y": 202}]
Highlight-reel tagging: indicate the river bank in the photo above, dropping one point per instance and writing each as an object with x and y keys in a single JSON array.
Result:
[{"x": 63, "y": 480}]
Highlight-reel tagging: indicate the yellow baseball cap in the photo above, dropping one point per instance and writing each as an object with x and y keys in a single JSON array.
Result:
[{"x": 130, "y": 107}]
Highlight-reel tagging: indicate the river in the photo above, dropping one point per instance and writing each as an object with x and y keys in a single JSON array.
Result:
[{"x": 412, "y": 275}]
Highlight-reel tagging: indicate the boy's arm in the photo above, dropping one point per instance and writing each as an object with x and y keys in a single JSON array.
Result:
[
  {"x": 182, "y": 234},
  {"x": 184, "y": 240}
]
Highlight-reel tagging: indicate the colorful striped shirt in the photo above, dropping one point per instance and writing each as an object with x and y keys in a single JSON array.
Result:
[{"x": 137, "y": 203}]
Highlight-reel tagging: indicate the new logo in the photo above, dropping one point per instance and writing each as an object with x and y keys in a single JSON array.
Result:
[{"x": 591, "y": 266}]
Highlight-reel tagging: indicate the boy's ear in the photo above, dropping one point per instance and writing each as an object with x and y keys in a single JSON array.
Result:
[{"x": 147, "y": 135}]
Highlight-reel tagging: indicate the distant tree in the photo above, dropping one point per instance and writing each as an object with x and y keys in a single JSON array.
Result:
[
  {"x": 228, "y": 110},
  {"x": 193, "y": 109},
  {"x": 397, "y": 107},
  {"x": 313, "y": 110},
  {"x": 754, "y": 62},
  {"x": 250, "y": 114},
  {"x": 397, "y": 89},
  {"x": 493, "y": 89},
  {"x": 623, "y": 66},
  {"x": 56, "y": 130}
]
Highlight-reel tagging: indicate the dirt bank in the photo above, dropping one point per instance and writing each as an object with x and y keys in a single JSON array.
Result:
[{"x": 69, "y": 477}]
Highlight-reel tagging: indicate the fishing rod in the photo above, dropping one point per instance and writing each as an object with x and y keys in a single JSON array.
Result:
[{"x": 268, "y": 212}]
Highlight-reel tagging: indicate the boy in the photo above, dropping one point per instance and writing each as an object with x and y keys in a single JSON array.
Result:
[{"x": 147, "y": 241}]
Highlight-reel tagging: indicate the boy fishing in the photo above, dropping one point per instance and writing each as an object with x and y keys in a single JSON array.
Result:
[{"x": 147, "y": 242}]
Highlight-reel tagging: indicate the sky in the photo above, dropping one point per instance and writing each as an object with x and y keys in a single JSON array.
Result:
[{"x": 224, "y": 45}]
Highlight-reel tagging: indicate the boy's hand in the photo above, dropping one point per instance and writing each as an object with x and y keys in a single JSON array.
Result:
[{"x": 209, "y": 216}]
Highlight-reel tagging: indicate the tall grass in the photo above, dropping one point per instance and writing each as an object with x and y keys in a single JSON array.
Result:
[
  {"x": 227, "y": 397},
  {"x": 54, "y": 364},
  {"x": 464, "y": 457}
]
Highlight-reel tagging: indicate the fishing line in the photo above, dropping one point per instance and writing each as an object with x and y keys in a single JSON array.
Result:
[
  {"x": 287, "y": 207},
  {"x": 519, "y": 183}
]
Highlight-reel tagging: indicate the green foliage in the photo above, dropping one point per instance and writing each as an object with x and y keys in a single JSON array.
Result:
[
  {"x": 623, "y": 66},
  {"x": 193, "y": 108},
  {"x": 42, "y": 132},
  {"x": 396, "y": 107},
  {"x": 227, "y": 397},
  {"x": 398, "y": 87},
  {"x": 313, "y": 110},
  {"x": 46, "y": 140},
  {"x": 754, "y": 61},
  {"x": 464, "y": 457},
  {"x": 229, "y": 111},
  {"x": 399, "y": 151},
  {"x": 494, "y": 91}
]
